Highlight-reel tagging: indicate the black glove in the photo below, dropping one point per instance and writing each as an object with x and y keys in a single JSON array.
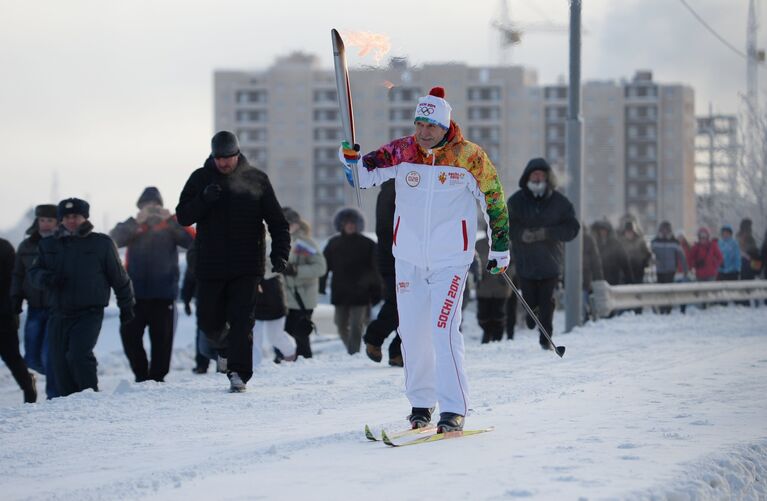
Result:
[
  {"x": 188, "y": 309},
  {"x": 291, "y": 270},
  {"x": 126, "y": 315},
  {"x": 279, "y": 264},
  {"x": 536, "y": 235},
  {"x": 211, "y": 193}
]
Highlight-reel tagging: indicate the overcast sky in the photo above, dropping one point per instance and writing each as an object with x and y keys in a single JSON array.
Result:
[{"x": 116, "y": 96}]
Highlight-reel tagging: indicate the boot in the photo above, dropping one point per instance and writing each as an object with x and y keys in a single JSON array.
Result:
[
  {"x": 30, "y": 390},
  {"x": 396, "y": 361},
  {"x": 449, "y": 421},
  {"x": 236, "y": 384},
  {"x": 420, "y": 417},
  {"x": 373, "y": 352}
]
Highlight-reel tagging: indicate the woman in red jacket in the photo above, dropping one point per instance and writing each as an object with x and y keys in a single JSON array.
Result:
[{"x": 705, "y": 257}]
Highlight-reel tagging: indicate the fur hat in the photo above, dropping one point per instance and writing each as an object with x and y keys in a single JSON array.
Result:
[
  {"x": 73, "y": 206},
  {"x": 434, "y": 109},
  {"x": 45, "y": 210}
]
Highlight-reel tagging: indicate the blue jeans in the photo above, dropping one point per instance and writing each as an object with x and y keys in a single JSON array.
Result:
[{"x": 36, "y": 348}]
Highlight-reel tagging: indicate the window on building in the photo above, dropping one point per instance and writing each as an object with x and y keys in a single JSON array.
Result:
[
  {"x": 401, "y": 114},
  {"x": 404, "y": 94},
  {"x": 484, "y": 113},
  {"x": 326, "y": 115},
  {"x": 484, "y": 93},
  {"x": 249, "y": 116},
  {"x": 325, "y": 96},
  {"x": 251, "y": 96},
  {"x": 633, "y": 171}
]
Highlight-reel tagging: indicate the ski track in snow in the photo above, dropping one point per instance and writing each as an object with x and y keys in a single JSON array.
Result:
[{"x": 641, "y": 407}]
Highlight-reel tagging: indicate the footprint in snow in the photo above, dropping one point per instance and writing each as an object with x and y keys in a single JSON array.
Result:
[
  {"x": 519, "y": 493},
  {"x": 627, "y": 446},
  {"x": 701, "y": 422},
  {"x": 630, "y": 458}
]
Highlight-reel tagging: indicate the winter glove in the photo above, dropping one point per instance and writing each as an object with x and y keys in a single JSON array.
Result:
[
  {"x": 349, "y": 156},
  {"x": 291, "y": 270},
  {"x": 211, "y": 193},
  {"x": 187, "y": 308},
  {"x": 279, "y": 264},
  {"x": 126, "y": 315},
  {"x": 497, "y": 262},
  {"x": 536, "y": 235}
]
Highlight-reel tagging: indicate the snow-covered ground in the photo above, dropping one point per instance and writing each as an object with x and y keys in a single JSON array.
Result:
[{"x": 641, "y": 407}]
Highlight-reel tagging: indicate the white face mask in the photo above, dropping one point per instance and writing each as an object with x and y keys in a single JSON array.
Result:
[{"x": 538, "y": 188}]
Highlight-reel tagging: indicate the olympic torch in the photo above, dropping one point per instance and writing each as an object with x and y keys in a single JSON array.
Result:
[{"x": 345, "y": 102}]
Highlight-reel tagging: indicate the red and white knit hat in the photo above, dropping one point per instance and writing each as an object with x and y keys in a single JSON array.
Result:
[{"x": 434, "y": 109}]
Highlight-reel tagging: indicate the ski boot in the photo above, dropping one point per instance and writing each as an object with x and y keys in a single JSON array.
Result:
[
  {"x": 449, "y": 421},
  {"x": 420, "y": 417}
]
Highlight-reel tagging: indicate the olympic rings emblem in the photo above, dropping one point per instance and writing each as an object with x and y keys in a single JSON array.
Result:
[{"x": 425, "y": 110}]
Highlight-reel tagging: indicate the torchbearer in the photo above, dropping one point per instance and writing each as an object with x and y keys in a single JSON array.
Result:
[{"x": 439, "y": 178}]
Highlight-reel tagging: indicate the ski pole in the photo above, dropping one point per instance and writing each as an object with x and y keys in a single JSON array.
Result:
[{"x": 560, "y": 350}]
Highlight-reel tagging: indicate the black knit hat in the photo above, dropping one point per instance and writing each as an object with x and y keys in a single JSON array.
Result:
[
  {"x": 291, "y": 216},
  {"x": 224, "y": 144},
  {"x": 73, "y": 206},
  {"x": 150, "y": 194},
  {"x": 45, "y": 210}
]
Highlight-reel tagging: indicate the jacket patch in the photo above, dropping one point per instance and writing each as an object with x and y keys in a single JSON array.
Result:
[
  {"x": 403, "y": 287},
  {"x": 442, "y": 177},
  {"x": 413, "y": 179}
]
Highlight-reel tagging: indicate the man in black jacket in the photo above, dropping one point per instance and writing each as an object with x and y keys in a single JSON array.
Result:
[
  {"x": 77, "y": 267},
  {"x": 230, "y": 200},
  {"x": 387, "y": 320},
  {"x": 36, "y": 341},
  {"x": 355, "y": 285},
  {"x": 540, "y": 220},
  {"x": 9, "y": 327},
  {"x": 152, "y": 238}
]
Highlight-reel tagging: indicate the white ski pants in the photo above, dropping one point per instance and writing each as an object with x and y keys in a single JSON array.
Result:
[
  {"x": 429, "y": 307},
  {"x": 276, "y": 336}
]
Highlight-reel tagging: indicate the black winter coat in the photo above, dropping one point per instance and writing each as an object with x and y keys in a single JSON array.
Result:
[
  {"x": 21, "y": 286},
  {"x": 592, "y": 262},
  {"x": 152, "y": 256},
  {"x": 554, "y": 212},
  {"x": 385, "y": 227},
  {"x": 230, "y": 231},
  {"x": 7, "y": 255},
  {"x": 615, "y": 259},
  {"x": 88, "y": 265},
  {"x": 352, "y": 260}
]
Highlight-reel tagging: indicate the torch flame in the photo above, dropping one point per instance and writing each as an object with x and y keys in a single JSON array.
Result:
[{"x": 367, "y": 42}]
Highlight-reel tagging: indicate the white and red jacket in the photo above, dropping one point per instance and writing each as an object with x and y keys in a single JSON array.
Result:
[{"x": 437, "y": 191}]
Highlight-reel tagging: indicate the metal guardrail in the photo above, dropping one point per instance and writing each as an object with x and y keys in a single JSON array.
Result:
[{"x": 607, "y": 298}]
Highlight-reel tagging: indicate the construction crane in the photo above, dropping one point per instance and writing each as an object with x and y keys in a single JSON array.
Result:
[{"x": 510, "y": 33}]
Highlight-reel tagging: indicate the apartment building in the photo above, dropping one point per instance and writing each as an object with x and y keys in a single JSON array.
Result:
[{"x": 638, "y": 149}]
